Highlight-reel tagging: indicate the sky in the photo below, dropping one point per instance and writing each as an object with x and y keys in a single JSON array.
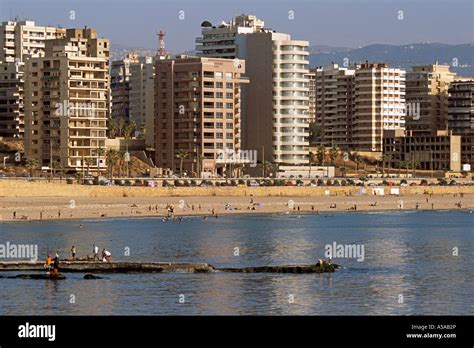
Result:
[{"x": 343, "y": 23}]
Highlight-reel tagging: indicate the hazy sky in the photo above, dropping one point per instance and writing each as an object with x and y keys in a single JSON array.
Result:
[{"x": 348, "y": 23}]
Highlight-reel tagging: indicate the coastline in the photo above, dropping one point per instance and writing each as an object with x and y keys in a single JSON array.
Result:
[{"x": 77, "y": 208}]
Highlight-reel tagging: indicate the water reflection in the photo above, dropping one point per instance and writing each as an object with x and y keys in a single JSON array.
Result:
[{"x": 405, "y": 254}]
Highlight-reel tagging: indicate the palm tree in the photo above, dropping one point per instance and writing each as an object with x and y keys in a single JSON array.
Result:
[
  {"x": 358, "y": 160},
  {"x": 238, "y": 169},
  {"x": 129, "y": 130},
  {"x": 112, "y": 161},
  {"x": 90, "y": 161},
  {"x": 31, "y": 165},
  {"x": 320, "y": 155},
  {"x": 333, "y": 152},
  {"x": 58, "y": 168},
  {"x": 100, "y": 153},
  {"x": 385, "y": 158},
  {"x": 266, "y": 166},
  {"x": 312, "y": 158},
  {"x": 181, "y": 155}
]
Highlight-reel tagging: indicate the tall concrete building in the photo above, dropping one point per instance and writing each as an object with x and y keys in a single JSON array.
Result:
[
  {"x": 311, "y": 76},
  {"x": 19, "y": 40},
  {"x": 461, "y": 116},
  {"x": 66, "y": 102},
  {"x": 275, "y": 104},
  {"x": 120, "y": 74},
  {"x": 219, "y": 41},
  {"x": 335, "y": 105},
  {"x": 12, "y": 114},
  {"x": 197, "y": 112},
  {"x": 427, "y": 98},
  {"x": 141, "y": 96},
  {"x": 379, "y": 104}
]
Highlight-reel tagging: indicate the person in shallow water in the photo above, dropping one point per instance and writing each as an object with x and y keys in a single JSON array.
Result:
[
  {"x": 55, "y": 269},
  {"x": 48, "y": 263}
]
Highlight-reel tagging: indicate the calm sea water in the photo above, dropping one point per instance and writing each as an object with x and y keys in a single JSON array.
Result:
[{"x": 409, "y": 267}]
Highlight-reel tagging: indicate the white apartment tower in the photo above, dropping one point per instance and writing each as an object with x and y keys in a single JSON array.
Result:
[
  {"x": 275, "y": 104},
  {"x": 379, "y": 104},
  {"x": 219, "y": 41}
]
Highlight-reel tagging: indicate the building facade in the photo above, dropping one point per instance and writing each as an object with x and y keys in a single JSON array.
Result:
[
  {"x": 427, "y": 98},
  {"x": 67, "y": 102},
  {"x": 120, "y": 74},
  {"x": 19, "y": 40},
  {"x": 440, "y": 151},
  {"x": 379, "y": 104},
  {"x": 141, "y": 96},
  {"x": 219, "y": 41},
  {"x": 275, "y": 104},
  {"x": 461, "y": 116},
  {"x": 12, "y": 113},
  {"x": 197, "y": 113},
  {"x": 335, "y": 105}
]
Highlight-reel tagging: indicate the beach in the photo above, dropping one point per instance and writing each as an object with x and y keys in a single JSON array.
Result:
[{"x": 55, "y": 207}]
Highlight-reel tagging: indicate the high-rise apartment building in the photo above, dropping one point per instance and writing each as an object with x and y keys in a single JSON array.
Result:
[
  {"x": 197, "y": 112},
  {"x": 66, "y": 102},
  {"x": 19, "y": 40},
  {"x": 120, "y": 86},
  {"x": 219, "y": 41},
  {"x": 275, "y": 104},
  {"x": 11, "y": 99},
  {"x": 311, "y": 76},
  {"x": 335, "y": 105},
  {"x": 141, "y": 96},
  {"x": 379, "y": 104},
  {"x": 276, "y": 101},
  {"x": 23, "y": 39},
  {"x": 461, "y": 116},
  {"x": 427, "y": 98}
]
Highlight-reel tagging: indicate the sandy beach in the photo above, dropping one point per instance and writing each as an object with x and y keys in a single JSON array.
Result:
[{"x": 48, "y": 208}]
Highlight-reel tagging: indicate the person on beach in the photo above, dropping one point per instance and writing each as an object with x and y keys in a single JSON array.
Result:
[
  {"x": 73, "y": 252},
  {"x": 95, "y": 252},
  {"x": 106, "y": 255},
  {"x": 48, "y": 263},
  {"x": 59, "y": 214},
  {"x": 14, "y": 215}
]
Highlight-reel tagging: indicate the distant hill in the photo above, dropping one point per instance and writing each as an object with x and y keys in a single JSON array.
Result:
[
  {"x": 403, "y": 56},
  {"x": 459, "y": 57}
]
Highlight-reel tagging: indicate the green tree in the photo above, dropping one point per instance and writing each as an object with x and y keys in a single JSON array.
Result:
[
  {"x": 31, "y": 165},
  {"x": 320, "y": 155},
  {"x": 315, "y": 132},
  {"x": 333, "y": 153},
  {"x": 266, "y": 166},
  {"x": 181, "y": 155}
]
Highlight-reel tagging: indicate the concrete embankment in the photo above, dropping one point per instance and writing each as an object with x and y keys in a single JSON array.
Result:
[
  {"x": 22, "y": 188},
  {"x": 160, "y": 267}
]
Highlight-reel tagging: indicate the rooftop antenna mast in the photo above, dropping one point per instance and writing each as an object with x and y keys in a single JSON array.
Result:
[{"x": 161, "y": 40}]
